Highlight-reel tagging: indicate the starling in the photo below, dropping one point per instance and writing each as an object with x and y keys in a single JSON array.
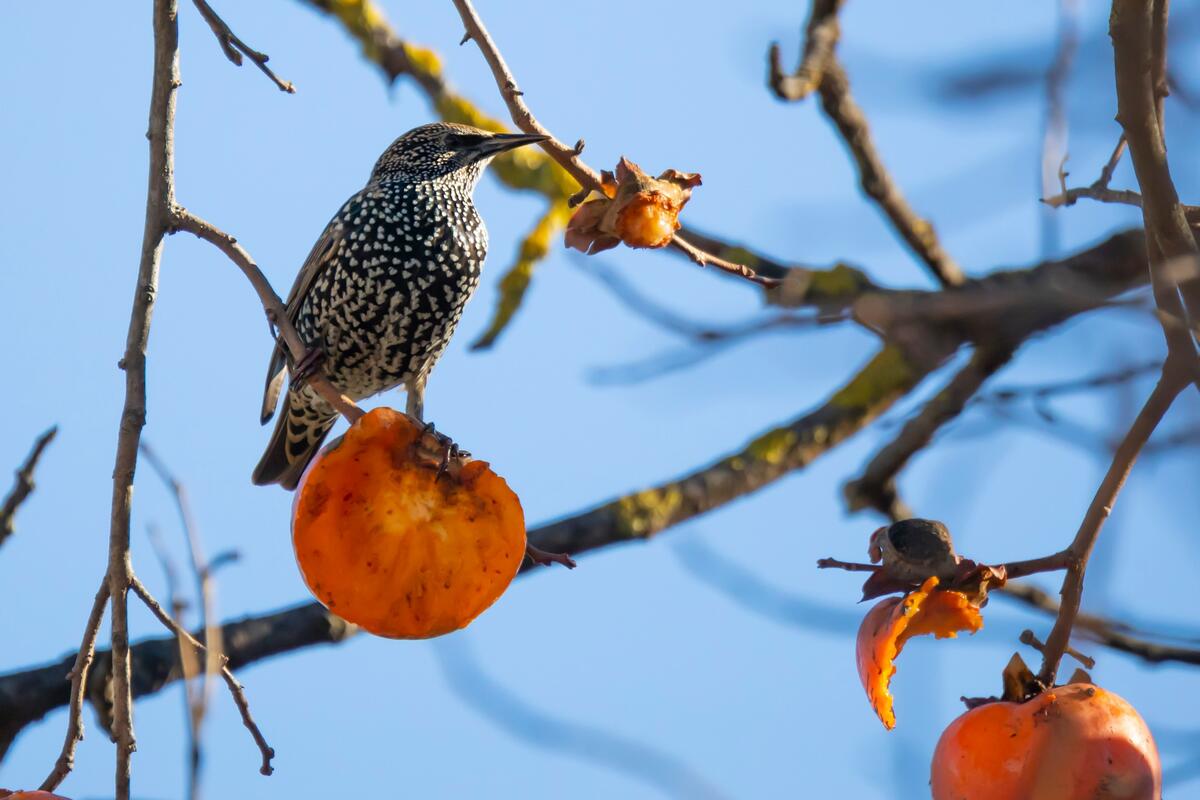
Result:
[{"x": 380, "y": 294}]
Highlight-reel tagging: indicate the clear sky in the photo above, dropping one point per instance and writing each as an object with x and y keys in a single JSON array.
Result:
[{"x": 716, "y": 660}]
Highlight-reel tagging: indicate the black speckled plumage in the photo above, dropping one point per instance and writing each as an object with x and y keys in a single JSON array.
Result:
[{"x": 385, "y": 285}]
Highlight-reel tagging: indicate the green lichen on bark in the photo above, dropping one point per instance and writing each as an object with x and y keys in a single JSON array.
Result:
[
  {"x": 886, "y": 376},
  {"x": 645, "y": 513}
]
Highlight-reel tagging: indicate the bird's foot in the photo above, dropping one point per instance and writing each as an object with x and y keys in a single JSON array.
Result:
[
  {"x": 443, "y": 449},
  {"x": 545, "y": 558},
  {"x": 310, "y": 364},
  {"x": 451, "y": 454}
]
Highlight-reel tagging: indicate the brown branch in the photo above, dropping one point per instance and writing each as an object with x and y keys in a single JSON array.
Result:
[
  {"x": 184, "y": 220},
  {"x": 1110, "y": 633},
  {"x": 569, "y": 157},
  {"x": 820, "y": 70},
  {"x": 1138, "y": 31},
  {"x": 23, "y": 486},
  {"x": 1055, "y": 125},
  {"x": 1029, "y": 638},
  {"x": 160, "y": 199},
  {"x": 820, "y": 38},
  {"x": 1110, "y": 166},
  {"x": 1170, "y": 384},
  {"x": 848, "y": 566},
  {"x": 233, "y": 47},
  {"x": 839, "y": 105},
  {"x": 78, "y": 676},
  {"x": 188, "y": 661},
  {"x": 875, "y": 488},
  {"x": 1099, "y": 193},
  {"x": 235, "y": 689},
  {"x": 197, "y": 701},
  {"x": 162, "y": 217}
]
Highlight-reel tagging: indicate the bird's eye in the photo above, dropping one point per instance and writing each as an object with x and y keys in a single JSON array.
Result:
[{"x": 464, "y": 140}]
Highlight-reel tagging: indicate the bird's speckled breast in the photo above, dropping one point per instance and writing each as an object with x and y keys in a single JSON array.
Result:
[{"x": 406, "y": 261}]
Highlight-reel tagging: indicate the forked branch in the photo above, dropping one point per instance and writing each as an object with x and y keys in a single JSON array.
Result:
[{"x": 569, "y": 157}]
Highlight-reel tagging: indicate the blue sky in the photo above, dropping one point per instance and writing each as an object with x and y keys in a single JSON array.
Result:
[{"x": 714, "y": 661}]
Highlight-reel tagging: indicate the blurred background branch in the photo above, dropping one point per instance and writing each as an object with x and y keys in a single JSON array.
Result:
[{"x": 23, "y": 486}]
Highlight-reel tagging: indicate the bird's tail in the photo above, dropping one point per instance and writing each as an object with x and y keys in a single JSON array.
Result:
[{"x": 298, "y": 434}]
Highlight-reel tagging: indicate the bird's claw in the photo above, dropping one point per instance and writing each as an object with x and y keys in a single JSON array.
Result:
[
  {"x": 545, "y": 558},
  {"x": 310, "y": 364},
  {"x": 450, "y": 452}
]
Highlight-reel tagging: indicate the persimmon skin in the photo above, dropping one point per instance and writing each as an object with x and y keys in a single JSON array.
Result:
[
  {"x": 892, "y": 622},
  {"x": 385, "y": 544},
  {"x": 36, "y": 794},
  {"x": 1073, "y": 742}
]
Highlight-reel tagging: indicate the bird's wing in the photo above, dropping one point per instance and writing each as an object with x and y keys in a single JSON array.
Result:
[{"x": 318, "y": 259}]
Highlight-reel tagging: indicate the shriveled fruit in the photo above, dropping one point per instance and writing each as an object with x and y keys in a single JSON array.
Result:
[
  {"x": 391, "y": 542},
  {"x": 892, "y": 622},
  {"x": 636, "y": 209},
  {"x": 1073, "y": 742}
]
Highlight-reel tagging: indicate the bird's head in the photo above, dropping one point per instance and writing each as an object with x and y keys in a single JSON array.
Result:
[{"x": 444, "y": 150}]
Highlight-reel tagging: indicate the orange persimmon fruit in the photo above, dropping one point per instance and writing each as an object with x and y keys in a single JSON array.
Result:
[
  {"x": 35, "y": 794},
  {"x": 649, "y": 219},
  {"x": 892, "y": 622},
  {"x": 387, "y": 540},
  {"x": 1073, "y": 742}
]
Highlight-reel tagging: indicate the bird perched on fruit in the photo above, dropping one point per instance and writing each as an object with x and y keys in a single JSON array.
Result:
[{"x": 379, "y": 296}]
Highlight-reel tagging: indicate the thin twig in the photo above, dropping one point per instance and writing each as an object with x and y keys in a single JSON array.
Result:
[
  {"x": 184, "y": 220},
  {"x": 1055, "y": 127},
  {"x": 1115, "y": 635},
  {"x": 568, "y": 157},
  {"x": 1029, "y": 638},
  {"x": 874, "y": 488},
  {"x": 78, "y": 677},
  {"x": 1139, "y": 33},
  {"x": 197, "y": 700},
  {"x": 1099, "y": 193},
  {"x": 193, "y": 713},
  {"x": 848, "y": 566},
  {"x": 23, "y": 486},
  {"x": 1116, "y": 377},
  {"x": 160, "y": 199},
  {"x": 235, "y": 688},
  {"x": 231, "y": 45},
  {"x": 200, "y": 571},
  {"x": 820, "y": 38},
  {"x": 839, "y": 105},
  {"x": 1106, "y": 173},
  {"x": 1170, "y": 384}
]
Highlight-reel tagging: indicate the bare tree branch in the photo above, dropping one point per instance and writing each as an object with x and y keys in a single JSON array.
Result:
[
  {"x": 160, "y": 198},
  {"x": 1110, "y": 633},
  {"x": 839, "y": 105},
  {"x": 1055, "y": 125},
  {"x": 820, "y": 38},
  {"x": 233, "y": 47},
  {"x": 78, "y": 677},
  {"x": 569, "y": 157},
  {"x": 197, "y": 698},
  {"x": 1138, "y": 29},
  {"x": 236, "y": 690},
  {"x": 23, "y": 486},
  {"x": 1170, "y": 384},
  {"x": 875, "y": 488},
  {"x": 184, "y": 220},
  {"x": 188, "y": 662}
]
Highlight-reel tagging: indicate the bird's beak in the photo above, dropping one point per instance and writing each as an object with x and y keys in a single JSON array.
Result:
[{"x": 502, "y": 142}]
